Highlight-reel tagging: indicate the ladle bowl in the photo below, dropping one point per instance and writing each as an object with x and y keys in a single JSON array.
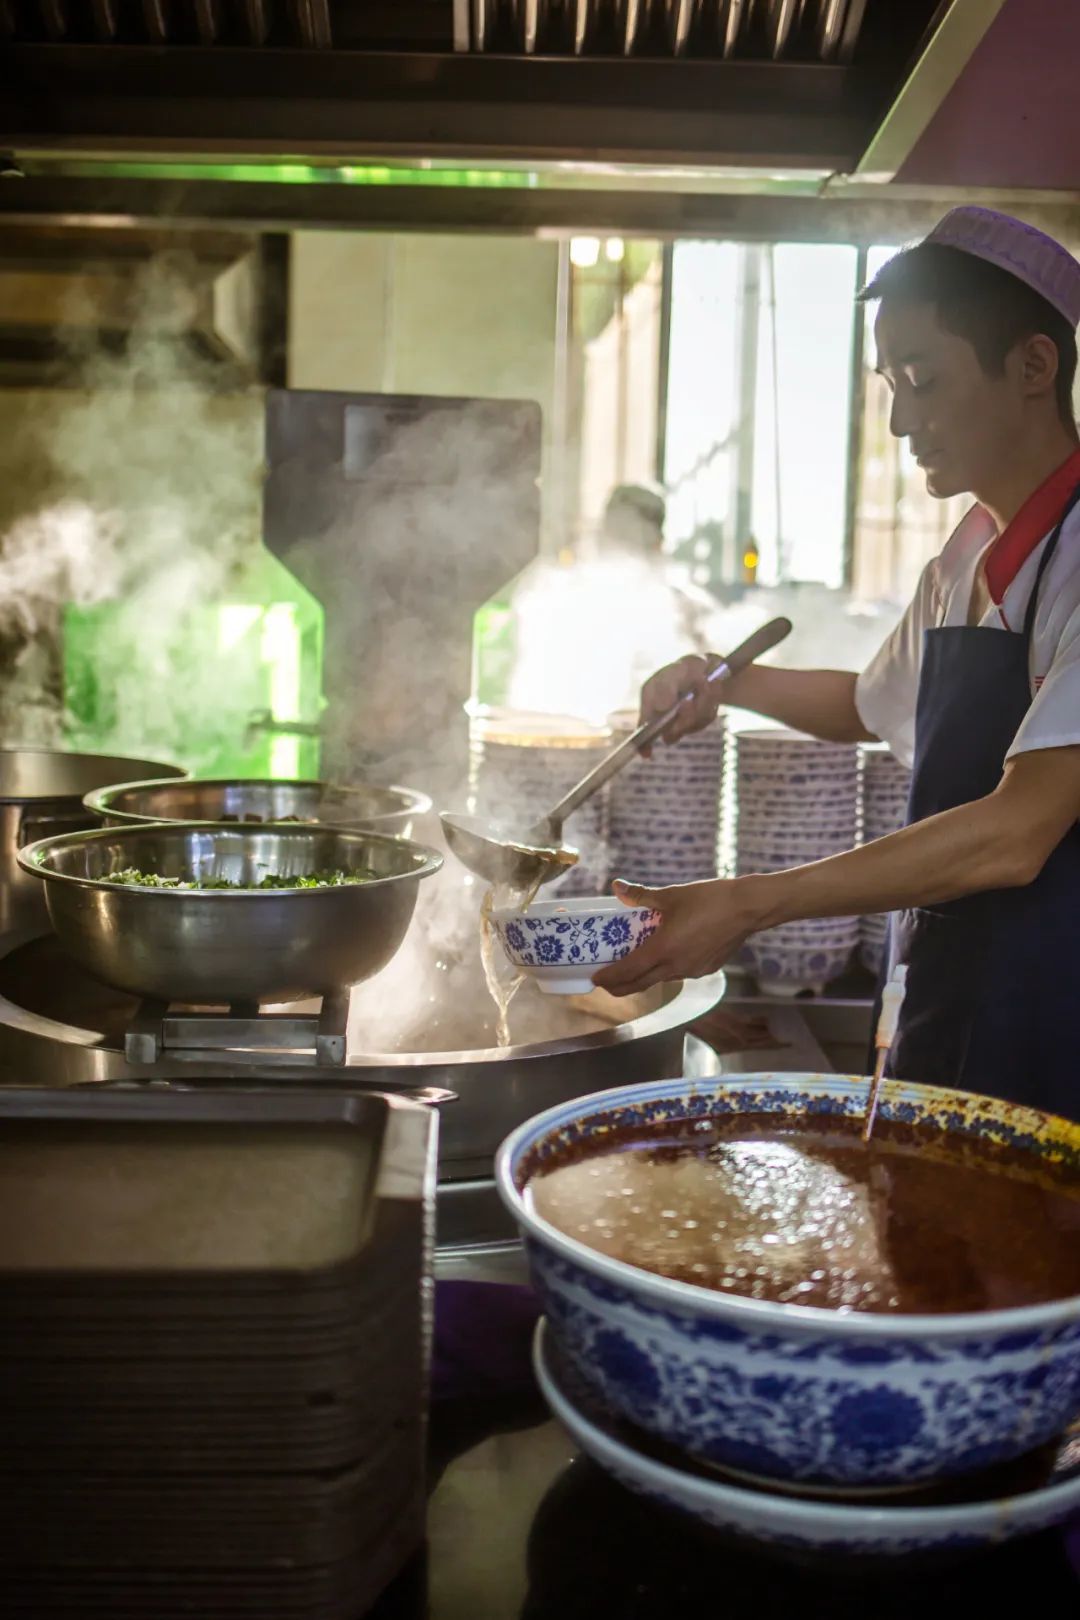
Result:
[{"x": 502, "y": 854}]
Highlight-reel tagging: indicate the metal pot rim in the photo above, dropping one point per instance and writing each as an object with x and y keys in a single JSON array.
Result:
[
  {"x": 413, "y": 801},
  {"x": 692, "y": 1000},
  {"x": 74, "y": 797}
]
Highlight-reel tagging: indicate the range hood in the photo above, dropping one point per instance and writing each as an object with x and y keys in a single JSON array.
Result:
[
  {"x": 67, "y": 293},
  {"x": 763, "y": 84}
]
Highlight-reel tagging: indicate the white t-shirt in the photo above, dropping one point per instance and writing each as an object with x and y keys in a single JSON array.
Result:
[{"x": 886, "y": 691}]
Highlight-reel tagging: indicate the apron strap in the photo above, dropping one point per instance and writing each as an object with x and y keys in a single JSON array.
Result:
[{"x": 1044, "y": 562}]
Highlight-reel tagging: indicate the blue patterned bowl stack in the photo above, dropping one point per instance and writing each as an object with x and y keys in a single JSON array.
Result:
[
  {"x": 522, "y": 764},
  {"x": 789, "y": 800},
  {"x": 787, "y": 1392},
  {"x": 789, "y": 1524},
  {"x": 665, "y": 811},
  {"x": 884, "y": 785},
  {"x": 561, "y": 943}
]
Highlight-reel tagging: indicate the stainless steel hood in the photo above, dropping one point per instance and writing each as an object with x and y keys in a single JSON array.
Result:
[
  {"x": 769, "y": 84},
  {"x": 69, "y": 291},
  {"x": 826, "y": 29}
]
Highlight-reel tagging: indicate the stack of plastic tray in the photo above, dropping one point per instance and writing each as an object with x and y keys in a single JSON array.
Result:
[{"x": 214, "y": 1350}]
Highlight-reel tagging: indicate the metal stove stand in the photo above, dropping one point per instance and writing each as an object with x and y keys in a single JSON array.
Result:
[{"x": 240, "y": 1032}]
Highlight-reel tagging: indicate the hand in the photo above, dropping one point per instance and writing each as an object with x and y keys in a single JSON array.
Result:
[
  {"x": 702, "y": 925},
  {"x": 663, "y": 689}
]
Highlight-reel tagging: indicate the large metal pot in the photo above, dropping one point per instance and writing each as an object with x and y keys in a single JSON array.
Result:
[
  {"x": 229, "y": 945},
  {"x": 41, "y": 794},
  {"x": 394, "y": 810}
]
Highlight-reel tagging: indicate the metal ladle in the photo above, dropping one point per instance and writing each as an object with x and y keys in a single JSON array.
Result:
[{"x": 526, "y": 856}]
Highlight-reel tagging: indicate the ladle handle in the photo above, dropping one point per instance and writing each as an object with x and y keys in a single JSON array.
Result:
[{"x": 762, "y": 641}]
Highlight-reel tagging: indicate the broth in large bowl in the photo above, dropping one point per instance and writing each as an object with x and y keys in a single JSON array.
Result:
[{"x": 730, "y": 1267}]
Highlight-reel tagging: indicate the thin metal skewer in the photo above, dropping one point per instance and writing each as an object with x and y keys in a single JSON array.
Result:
[{"x": 892, "y": 999}]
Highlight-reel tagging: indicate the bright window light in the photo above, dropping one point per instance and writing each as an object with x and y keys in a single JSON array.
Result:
[{"x": 584, "y": 251}]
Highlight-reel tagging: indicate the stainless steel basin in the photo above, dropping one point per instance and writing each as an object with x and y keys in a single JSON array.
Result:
[
  {"x": 393, "y": 810},
  {"x": 217, "y": 946}
]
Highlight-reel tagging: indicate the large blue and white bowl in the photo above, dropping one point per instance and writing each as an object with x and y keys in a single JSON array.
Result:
[
  {"x": 562, "y": 943},
  {"x": 788, "y": 1392},
  {"x": 787, "y": 1524}
]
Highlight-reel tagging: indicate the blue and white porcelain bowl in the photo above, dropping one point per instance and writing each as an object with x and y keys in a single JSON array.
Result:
[
  {"x": 789, "y": 1524},
  {"x": 789, "y": 1392},
  {"x": 561, "y": 943},
  {"x": 793, "y": 970}
]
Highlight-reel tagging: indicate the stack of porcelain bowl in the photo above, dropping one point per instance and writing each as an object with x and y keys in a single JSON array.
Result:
[
  {"x": 792, "y": 800},
  {"x": 883, "y": 784},
  {"x": 665, "y": 811},
  {"x": 520, "y": 765}
]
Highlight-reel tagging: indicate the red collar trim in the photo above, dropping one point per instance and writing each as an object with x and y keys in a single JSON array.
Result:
[{"x": 1038, "y": 515}]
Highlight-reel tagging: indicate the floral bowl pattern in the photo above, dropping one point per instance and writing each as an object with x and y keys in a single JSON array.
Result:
[
  {"x": 783, "y": 967},
  {"x": 561, "y": 943},
  {"x": 786, "y": 1523},
  {"x": 790, "y": 800},
  {"x": 790, "y": 1392}
]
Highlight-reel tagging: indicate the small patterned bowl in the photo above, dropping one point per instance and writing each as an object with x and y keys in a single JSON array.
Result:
[
  {"x": 793, "y": 1392},
  {"x": 561, "y": 943}
]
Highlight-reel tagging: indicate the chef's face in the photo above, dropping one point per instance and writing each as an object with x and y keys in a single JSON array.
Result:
[{"x": 959, "y": 419}]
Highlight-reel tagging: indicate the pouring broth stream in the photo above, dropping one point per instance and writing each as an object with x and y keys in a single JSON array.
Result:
[{"x": 501, "y": 990}]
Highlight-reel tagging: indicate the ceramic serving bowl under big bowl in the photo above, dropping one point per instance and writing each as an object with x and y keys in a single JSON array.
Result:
[
  {"x": 793, "y": 1393},
  {"x": 562, "y": 943},
  {"x": 1013, "y": 1501}
]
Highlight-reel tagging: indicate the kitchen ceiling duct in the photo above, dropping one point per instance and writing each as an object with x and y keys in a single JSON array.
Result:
[
  {"x": 814, "y": 30},
  {"x": 760, "y": 83},
  {"x": 822, "y": 30}
]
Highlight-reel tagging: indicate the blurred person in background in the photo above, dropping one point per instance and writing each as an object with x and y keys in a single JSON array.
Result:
[
  {"x": 590, "y": 624},
  {"x": 658, "y": 603}
]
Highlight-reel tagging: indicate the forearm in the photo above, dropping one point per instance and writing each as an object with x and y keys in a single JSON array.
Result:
[
  {"x": 1001, "y": 841},
  {"x": 820, "y": 702},
  {"x": 973, "y": 848}
]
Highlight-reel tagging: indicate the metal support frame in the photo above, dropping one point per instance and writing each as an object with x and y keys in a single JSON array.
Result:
[
  {"x": 857, "y": 397},
  {"x": 656, "y": 214},
  {"x": 242, "y": 1034},
  {"x": 952, "y": 40},
  {"x": 274, "y": 270},
  {"x": 663, "y": 358},
  {"x": 746, "y": 358},
  {"x": 556, "y": 512}
]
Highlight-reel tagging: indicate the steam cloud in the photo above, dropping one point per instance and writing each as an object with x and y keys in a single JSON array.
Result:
[{"x": 154, "y": 509}]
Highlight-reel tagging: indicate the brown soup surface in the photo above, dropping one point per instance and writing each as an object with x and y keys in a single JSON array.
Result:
[{"x": 803, "y": 1212}]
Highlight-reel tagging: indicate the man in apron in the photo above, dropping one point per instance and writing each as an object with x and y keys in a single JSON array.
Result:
[{"x": 978, "y": 689}]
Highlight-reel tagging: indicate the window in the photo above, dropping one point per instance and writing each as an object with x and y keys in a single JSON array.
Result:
[{"x": 740, "y": 375}]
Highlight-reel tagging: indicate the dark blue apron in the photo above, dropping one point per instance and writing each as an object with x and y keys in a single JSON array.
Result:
[{"x": 993, "y": 988}]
